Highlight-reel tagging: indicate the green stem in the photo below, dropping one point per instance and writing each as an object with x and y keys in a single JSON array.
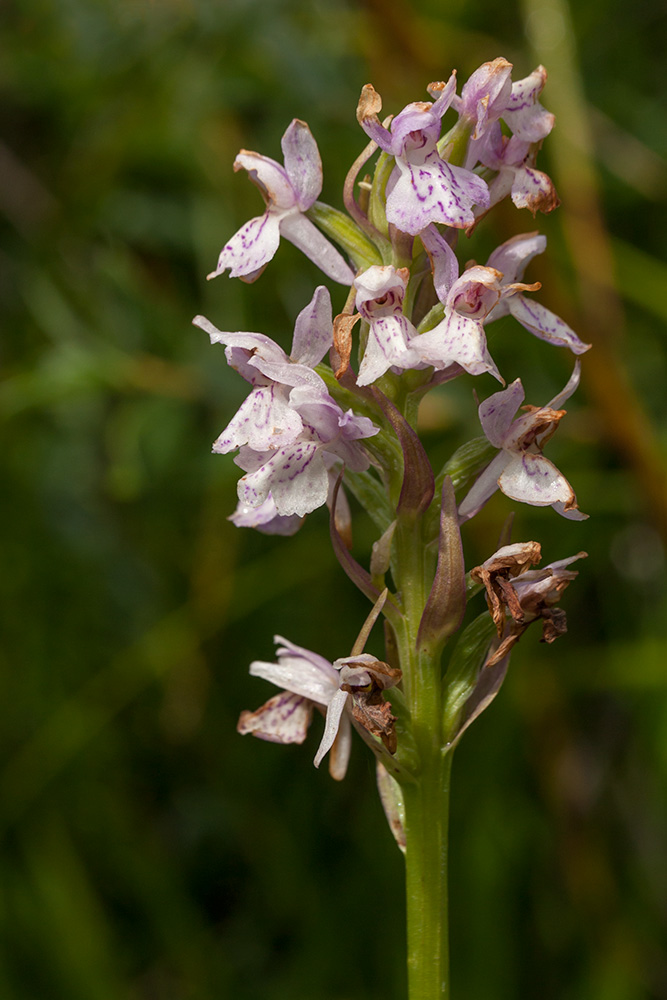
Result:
[
  {"x": 426, "y": 828},
  {"x": 426, "y": 800}
]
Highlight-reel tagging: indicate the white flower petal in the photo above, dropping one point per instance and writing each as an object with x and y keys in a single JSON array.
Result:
[
  {"x": 434, "y": 191},
  {"x": 302, "y": 163},
  {"x": 483, "y": 488},
  {"x": 497, "y": 412},
  {"x": 296, "y": 478},
  {"x": 535, "y": 480},
  {"x": 334, "y": 712},
  {"x": 545, "y": 324},
  {"x": 300, "y": 675},
  {"x": 306, "y": 237},
  {"x": 264, "y": 421},
  {"x": 313, "y": 330},
  {"x": 251, "y": 248},
  {"x": 340, "y": 751}
]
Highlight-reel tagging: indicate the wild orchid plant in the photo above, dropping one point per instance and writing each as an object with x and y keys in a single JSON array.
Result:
[{"x": 308, "y": 429}]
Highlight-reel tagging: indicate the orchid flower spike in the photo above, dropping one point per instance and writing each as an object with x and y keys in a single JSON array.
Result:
[
  {"x": 289, "y": 191},
  {"x": 520, "y": 470}
]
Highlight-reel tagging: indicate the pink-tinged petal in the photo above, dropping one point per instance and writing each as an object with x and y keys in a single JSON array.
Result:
[
  {"x": 387, "y": 346},
  {"x": 318, "y": 410},
  {"x": 527, "y": 118},
  {"x": 443, "y": 95},
  {"x": 265, "y": 519},
  {"x": 535, "y": 480},
  {"x": 285, "y": 647},
  {"x": 350, "y": 453},
  {"x": 570, "y": 388},
  {"x": 300, "y": 675},
  {"x": 302, "y": 163},
  {"x": 444, "y": 261},
  {"x": 571, "y": 513},
  {"x": 326, "y": 420},
  {"x": 250, "y": 342},
  {"x": 238, "y": 358},
  {"x": 251, "y": 248},
  {"x": 476, "y": 292},
  {"x": 545, "y": 324},
  {"x": 486, "y": 93},
  {"x": 282, "y": 719},
  {"x": 340, "y": 751},
  {"x": 313, "y": 330},
  {"x": 497, "y": 412},
  {"x": 296, "y": 478},
  {"x": 513, "y": 256},
  {"x": 533, "y": 190},
  {"x": 499, "y": 188},
  {"x": 264, "y": 422},
  {"x": 306, "y": 237},
  {"x": 434, "y": 191},
  {"x": 256, "y": 344},
  {"x": 457, "y": 339},
  {"x": 483, "y": 488},
  {"x": 415, "y": 130},
  {"x": 251, "y": 461},
  {"x": 380, "y": 290},
  {"x": 269, "y": 177},
  {"x": 290, "y": 374},
  {"x": 352, "y": 427},
  {"x": 334, "y": 712}
]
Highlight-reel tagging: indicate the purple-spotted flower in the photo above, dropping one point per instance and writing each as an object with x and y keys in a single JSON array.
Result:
[
  {"x": 350, "y": 690},
  {"x": 514, "y": 160},
  {"x": 459, "y": 338},
  {"x": 266, "y": 420},
  {"x": 289, "y": 191},
  {"x": 296, "y": 475},
  {"x": 307, "y": 681},
  {"x": 512, "y": 258},
  {"x": 520, "y": 470},
  {"x": 289, "y": 429},
  {"x": 380, "y": 294},
  {"x": 422, "y": 188}
]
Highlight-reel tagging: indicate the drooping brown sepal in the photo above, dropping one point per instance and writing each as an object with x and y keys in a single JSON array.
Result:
[
  {"x": 342, "y": 343},
  {"x": 369, "y": 708}
]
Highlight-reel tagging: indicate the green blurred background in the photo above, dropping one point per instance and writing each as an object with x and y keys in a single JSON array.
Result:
[{"x": 148, "y": 852}]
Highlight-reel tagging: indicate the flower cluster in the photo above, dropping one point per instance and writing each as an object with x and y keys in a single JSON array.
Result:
[{"x": 322, "y": 415}]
